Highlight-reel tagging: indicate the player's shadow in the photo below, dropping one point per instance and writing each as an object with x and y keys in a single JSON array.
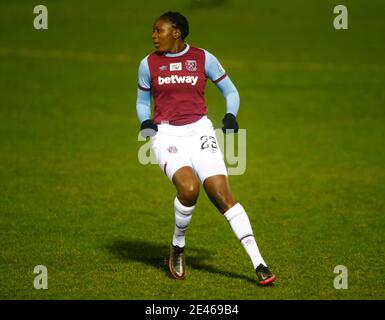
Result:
[{"x": 156, "y": 255}]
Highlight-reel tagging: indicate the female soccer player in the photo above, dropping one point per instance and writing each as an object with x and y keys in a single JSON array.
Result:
[{"x": 183, "y": 138}]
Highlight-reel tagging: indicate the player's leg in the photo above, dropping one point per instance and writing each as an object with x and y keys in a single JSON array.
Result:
[
  {"x": 187, "y": 187},
  {"x": 218, "y": 190},
  {"x": 172, "y": 158},
  {"x": 208, "y": 163}
]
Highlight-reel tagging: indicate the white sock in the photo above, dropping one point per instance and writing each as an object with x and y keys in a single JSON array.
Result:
[
  {"x": 240, "y": 223},
  {"x": 183, "y": 216}
]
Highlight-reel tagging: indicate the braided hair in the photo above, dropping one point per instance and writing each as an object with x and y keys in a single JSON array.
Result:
[{"x": 178, "y": 21}]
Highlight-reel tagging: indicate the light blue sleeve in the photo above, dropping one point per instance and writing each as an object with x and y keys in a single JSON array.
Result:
[
  {"x": 217, "y": 74},
  {"x": 231, "y": 95},
  {"x": 213, "y": 68},
  {"x": 143, "y": 99},
  {"x": 143, "y": 105},
  {"x": 144, "y": 79}
]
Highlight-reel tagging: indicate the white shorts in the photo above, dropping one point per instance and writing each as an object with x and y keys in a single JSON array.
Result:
[{"x": 193, "y": 145}]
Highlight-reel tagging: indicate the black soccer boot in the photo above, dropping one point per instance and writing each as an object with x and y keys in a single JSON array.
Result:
[
  {"x": 265, "y": 276},
  {"x": 177, "y": 263}
]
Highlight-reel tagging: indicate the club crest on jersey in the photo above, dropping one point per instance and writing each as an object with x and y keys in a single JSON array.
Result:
[
  {"x": 176, "y": 66},
  {"x": 191, "y": 65},
  {"x": 172, "y": 149}
]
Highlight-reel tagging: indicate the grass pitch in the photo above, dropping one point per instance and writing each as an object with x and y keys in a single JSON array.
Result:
[{"x": 74, "y": 197}]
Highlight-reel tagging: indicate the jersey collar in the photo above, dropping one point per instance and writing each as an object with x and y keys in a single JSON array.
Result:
[{"x": 178, "y": 54}]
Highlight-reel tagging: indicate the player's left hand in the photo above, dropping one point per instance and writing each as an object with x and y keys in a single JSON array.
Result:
[{"x": 230, "y": 123}]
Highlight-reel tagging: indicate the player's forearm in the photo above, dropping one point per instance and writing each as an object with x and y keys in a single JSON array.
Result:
[
  {"x": 232, "y": 102},
  {"x": 143, "y": 105},
  {"x": 230, "y": 92}
]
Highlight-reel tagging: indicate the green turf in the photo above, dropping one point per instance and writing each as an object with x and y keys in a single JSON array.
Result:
[{"x": 73, "y": 196}]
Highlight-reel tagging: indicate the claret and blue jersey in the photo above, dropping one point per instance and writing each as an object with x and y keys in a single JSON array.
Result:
[{"x": 177, "y": 83}]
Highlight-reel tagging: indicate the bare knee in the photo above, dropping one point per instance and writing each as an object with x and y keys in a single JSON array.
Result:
[
  {"x": 187, "y": 186},
  {"x": 188, "y": 193}
]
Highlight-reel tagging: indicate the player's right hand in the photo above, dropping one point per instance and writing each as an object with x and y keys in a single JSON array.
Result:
[{"x": 148, "y": 128}]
